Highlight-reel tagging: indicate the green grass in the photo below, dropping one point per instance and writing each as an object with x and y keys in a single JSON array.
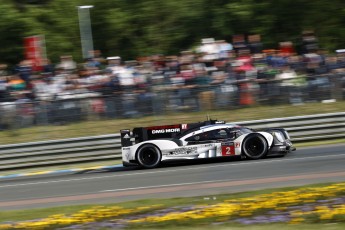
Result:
[
  {"x": 111, "y": 126},
  {"x": 318, "y": 143},
  {"x": 22, "y": 215}
]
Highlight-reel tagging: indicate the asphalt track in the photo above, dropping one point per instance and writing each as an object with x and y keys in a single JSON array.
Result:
[{"x": 305, "y": 166}]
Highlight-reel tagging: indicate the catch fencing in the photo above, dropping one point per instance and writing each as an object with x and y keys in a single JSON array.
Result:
[
  {"x": 108, "y": 147},
  {"x": 162, "y": 98}
]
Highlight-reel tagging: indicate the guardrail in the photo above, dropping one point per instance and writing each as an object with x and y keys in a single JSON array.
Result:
[{"x": 108, "y": 147}]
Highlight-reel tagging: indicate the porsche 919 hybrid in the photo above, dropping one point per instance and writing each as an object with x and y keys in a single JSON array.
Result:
[{"x": 149, "y": 146}]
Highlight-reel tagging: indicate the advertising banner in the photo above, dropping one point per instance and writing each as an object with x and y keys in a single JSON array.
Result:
[{"x": 34, "y": 48}]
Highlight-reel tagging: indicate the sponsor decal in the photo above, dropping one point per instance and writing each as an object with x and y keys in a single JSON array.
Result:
[
  {"x": 184, "y": 126},
  {"x": 168, "y": 130},
  {"x": 126, "y": 136},
  {"x": 184, "y": 151},
  {"x": 237, "y": 144},
  {"x": 163, "y": 127},
  {"x": 128, "y": 155}
]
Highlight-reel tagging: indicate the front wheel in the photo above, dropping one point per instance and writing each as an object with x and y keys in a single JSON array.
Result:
[
  {"x": 255, "y": 146},
  {"x": 149, "y": 156}
]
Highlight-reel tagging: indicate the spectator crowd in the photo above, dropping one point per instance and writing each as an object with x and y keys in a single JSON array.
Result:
[{"x": 215, "y": 75}]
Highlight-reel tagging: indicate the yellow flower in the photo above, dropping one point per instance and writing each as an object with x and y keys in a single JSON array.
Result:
[
  {"x": 326, "y": 216},
  {"x": 297, "y": 220}
]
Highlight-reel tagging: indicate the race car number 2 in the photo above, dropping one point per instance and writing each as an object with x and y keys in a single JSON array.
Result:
[{"x": 228, "y": 150}]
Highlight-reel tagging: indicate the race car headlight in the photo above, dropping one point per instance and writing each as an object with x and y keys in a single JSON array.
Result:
[
  {"x": 287, "y": 135},
  {"x": 279, "y": 136}
]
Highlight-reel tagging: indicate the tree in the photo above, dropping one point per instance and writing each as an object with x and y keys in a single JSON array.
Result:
[
  {"x": 143, "y": 27},
  {"x": 12, "y": 30}
]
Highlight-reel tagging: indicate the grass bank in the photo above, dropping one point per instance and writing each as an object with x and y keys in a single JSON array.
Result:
[{"x": 319, "y": 206}]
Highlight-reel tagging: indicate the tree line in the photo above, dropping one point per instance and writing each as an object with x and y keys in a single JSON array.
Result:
[{"x": 131, "y": 28}]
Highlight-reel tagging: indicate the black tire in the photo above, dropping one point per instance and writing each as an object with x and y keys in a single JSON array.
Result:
[
  {"x": 255, "y": 146},
  {"x": 149, "y": 156}
]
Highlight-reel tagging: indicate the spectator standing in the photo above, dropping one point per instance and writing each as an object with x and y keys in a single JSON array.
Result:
[
  {"x": 203, "y": 89},
  {"x": 309, "y": 42},
  {"x": 286, "y": 78},
  {"x": 92, "y": 63},
  {"x": 286, "y": 48},
  {"x": 239, "y": 43},
  {"x": 276, "y": 59},
  {"x": 24, "y": 71},
  {"x": 296, "y": 63},
  {"x": 16, "y": 83},
  {"x": 186, "y": 97},
  {"x": 3, "y": 70},
  {"x": 48, "y": 68},
  {"x": 4, "y": 92},
  {"x": 128, "y": 96},
  {"x": 67, "y": 64},
  {"x": 340, "y": 53},
  {"x": 208, "y": 49},
  {"x": 46, "y": 89},
  {"x": 332, "y": 64},
  {"x": 4, "y": 86},
  {"x": 224, "y": 48},
  {"x": 97, "y": 57},
  {"x": 254, "y": 44},
  {"x": 114, "y": 64},
  {"x": 24, "y": 110},
  {"x": 160, "y": 92},
  {"x": 111, "y": 91}
]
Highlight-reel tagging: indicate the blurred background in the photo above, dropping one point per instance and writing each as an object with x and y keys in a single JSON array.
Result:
[{"x": 73, "y": 67}]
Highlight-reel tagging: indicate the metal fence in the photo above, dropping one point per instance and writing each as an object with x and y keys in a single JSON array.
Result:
[
  {"x": 108, "y": 147},
  {"x": 161, "y": 98}
]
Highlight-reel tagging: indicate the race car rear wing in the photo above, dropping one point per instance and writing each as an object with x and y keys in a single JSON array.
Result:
[{"x": 141, "y": 134}]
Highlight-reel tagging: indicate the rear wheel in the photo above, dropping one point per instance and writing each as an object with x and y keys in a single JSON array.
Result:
[
  {"x": 149, "y": 156},
  {"x": 254, "y": 146}
]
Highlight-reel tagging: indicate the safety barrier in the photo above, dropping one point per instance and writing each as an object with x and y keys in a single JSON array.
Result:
[{"x": 108, "y": 147}]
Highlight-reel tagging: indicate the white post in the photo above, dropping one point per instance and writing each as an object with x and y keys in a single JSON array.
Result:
[{"x": 85, "y": 30}]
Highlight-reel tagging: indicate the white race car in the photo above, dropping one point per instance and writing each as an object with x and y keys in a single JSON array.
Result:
[{"x": 149, "y": 146}]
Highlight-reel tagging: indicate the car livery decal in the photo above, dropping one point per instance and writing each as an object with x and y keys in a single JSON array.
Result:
[
  {"x": 184, "y": 151},
  {"x": 228, "y": 149},
  {"x": 189, "y": 150}
]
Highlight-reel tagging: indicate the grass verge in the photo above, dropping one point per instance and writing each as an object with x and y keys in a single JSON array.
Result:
[
  {"x": 19, "y": 215},
  {"x": 309, "y": 194}
]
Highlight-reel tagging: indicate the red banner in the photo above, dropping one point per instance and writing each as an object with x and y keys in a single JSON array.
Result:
[{"x": 34, "y": 47}]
